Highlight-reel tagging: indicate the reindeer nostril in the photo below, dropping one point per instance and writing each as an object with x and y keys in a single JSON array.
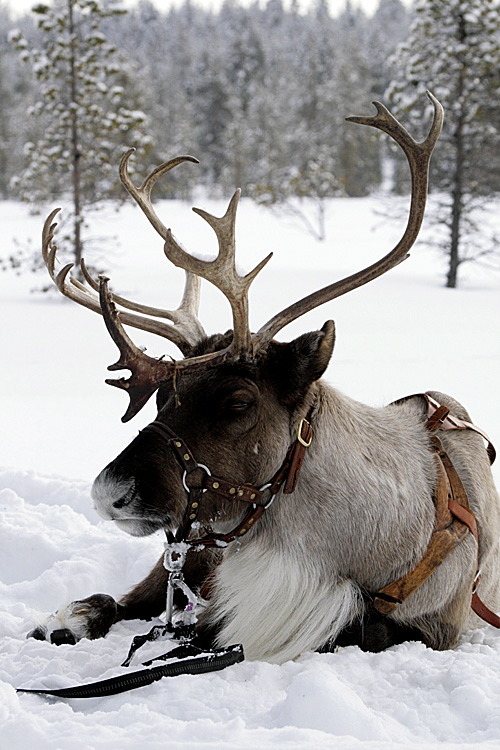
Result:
[{"x": 126, "y": 499}]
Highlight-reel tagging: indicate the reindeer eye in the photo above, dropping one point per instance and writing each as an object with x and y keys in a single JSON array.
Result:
[
  {"x": 239, "y": 405},
  {"x": 235, "y": 401}
]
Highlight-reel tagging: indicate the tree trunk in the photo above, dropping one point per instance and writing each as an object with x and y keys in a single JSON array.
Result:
[
  {"x": 454, "y": 259},
  {"x": 75, "y": 145},
  {"x": 457, "y": 184}
]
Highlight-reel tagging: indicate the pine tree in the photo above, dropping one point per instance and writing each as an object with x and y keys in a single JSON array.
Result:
[
  {"x": 81, "y": 119},
  {"x": 387, "y": 29},
  {"x": 358, "y": 148},
  {"x": 15, "y": 92},
  {"x": 453, "y": 48}
]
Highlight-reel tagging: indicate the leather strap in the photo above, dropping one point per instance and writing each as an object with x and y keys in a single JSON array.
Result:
[
  {"x": 232, "y": 491},
  {"x": 288, "y": 473},
  {"x": 297, "y": 455},
  {"x": 448, "y": 532},
  {"x": 484, "y": 612},
  {"x": 440, "y": 417},
  {"x": 179, "y": 447},
  {"x": 222, "y": 540},
  {"x": 454, "y": 519}
]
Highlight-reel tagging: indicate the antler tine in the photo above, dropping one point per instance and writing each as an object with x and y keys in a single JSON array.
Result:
[
  {"x": 60, "y": 278},
  {"x": 183, "y": 336},
  {"x": 142, "y": 194},
  {"x": 418, "y": 156},
  {"x": 222, "y": 272},
  {"x": 147, "y": 373},
  {"x": 184, "y": 317},
  {"x": 190, "y": 301},
  {"x": 48, "y": 248}
]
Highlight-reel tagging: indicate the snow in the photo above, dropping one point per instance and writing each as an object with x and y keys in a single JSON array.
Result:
[{"x": 401, "y": 334}]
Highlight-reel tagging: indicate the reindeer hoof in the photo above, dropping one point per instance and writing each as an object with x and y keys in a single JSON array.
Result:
[
  {"x": 62, "y": 636},
  {"x": 38, "y": 633},
  {"x": 86, "y": 618}
]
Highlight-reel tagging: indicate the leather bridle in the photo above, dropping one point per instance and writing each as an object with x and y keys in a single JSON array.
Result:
[{"x": 259, "y": 499}]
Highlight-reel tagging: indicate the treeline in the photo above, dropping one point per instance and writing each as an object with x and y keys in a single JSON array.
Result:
[{"x": 258, "y": 93}]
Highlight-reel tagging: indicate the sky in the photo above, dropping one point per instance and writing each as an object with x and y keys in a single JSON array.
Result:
[{"x": 21, "y": 6}]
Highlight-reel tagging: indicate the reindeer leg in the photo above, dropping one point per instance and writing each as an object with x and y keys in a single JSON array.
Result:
[
  {"x": 85, "y": 618},
  {"x": 93, "y": 617},
  {"x": 375, "y": 632}
]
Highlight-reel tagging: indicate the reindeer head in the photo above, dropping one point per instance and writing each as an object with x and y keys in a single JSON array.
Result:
[{"x": 235, "y": 399}]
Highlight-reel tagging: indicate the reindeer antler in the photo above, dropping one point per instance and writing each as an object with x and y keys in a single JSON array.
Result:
[
  {"x": 418, "y": 155},
  {"x": 185, "y": 332},
  {"x": 222, "y": 273},
  {"x": 147, "y": 372}
]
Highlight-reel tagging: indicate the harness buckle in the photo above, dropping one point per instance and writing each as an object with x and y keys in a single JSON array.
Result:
[{"x": 305, "y": 443}]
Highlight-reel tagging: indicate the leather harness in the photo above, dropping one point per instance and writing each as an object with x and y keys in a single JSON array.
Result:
[{"x": 454, "y": 517}]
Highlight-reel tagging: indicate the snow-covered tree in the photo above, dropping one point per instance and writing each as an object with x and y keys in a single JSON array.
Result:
[
  {"x": 387, "y": 29},
  {"x": 453, "y": 49},
  {"x": 15, "y": 92},
  {"x": 358, "y": 148},
  {"x": 83, "y": 117},
  {"x": 257, "y": 91}
]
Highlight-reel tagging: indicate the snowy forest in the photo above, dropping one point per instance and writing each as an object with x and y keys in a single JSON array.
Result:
[{"x": 260, "y": 95}]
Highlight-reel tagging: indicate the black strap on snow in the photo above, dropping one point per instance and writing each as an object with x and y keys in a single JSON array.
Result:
[{"x": 188, "y": 659}]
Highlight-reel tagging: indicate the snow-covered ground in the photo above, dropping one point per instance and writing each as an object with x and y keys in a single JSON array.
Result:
[{"x": 60, "y": 425}]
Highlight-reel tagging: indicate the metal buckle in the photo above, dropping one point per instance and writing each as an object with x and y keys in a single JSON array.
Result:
[
  {"x": 305, "y": 443},
  {"x": 173, "y": 561},
  {"x": 198, "y": 466}
]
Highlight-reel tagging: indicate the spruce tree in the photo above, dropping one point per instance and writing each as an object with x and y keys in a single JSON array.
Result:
[
  {"x": 453, "y": 49},
  {"x": 82, "y": 118}
]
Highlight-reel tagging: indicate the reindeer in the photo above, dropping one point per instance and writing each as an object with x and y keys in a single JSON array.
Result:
[{"x": 358, "y": 534}]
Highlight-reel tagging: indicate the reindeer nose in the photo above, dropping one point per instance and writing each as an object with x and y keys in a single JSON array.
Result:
[{"x": 112, "y": 493}]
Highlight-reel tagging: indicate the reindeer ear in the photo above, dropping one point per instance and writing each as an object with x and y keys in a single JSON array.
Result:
[
  {"x": 298, "y": 364},
  {"x": 313, "y": 352}
]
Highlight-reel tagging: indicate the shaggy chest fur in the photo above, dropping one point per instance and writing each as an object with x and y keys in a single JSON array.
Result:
[{"x": 361, "y": 515}]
